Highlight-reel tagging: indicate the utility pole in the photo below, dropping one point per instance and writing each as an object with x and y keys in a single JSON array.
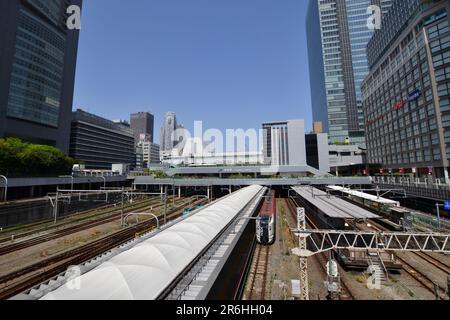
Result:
[
  {"x": 56, "y": 205},
  {"x": 122, "y": 210},
  {"x": 438, "y": 215},
  {"x": 301, "y": 251},
  {"x": 448, "y": 286},
  {"x": 165, "y": 205}
]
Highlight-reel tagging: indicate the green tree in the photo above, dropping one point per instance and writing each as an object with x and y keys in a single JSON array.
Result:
[{"x": 18, "y": 158}]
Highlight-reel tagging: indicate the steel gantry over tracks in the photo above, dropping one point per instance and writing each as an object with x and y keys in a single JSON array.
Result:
[{"x": 325, "y": 240}]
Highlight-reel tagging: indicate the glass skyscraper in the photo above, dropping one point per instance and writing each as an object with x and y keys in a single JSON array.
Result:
[
  {"x": 37, "y": 70},
  {"x": 337, "y": 40}
]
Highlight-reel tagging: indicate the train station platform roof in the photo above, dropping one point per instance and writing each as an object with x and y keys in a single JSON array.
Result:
[{"x": 332, "y": 206}]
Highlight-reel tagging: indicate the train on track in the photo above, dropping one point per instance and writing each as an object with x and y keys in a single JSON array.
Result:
[
  {"x": 266, "y": 222},
  {"x": 398, "y": 218}
]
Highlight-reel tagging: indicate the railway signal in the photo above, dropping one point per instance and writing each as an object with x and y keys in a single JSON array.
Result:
[{"x": 333, "y": 283}]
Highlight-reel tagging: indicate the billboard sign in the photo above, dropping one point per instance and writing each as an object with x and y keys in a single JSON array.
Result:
[
  {"x": 413, "y": 96},
  {"x": 447, "y": 205}
]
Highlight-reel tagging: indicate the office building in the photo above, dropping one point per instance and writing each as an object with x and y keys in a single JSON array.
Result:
[
  {"x": 169, "y": 137},
  {"x": 142, "y": 123},
  {"x": 337, "y": 36},
  {"x": 99, "y": 142},
  {"x": 284, "y": 143},
  {"x": 407, "y": 93},
  {"x": 37, "y": 70},
  {"x": 150, "y": 153}
]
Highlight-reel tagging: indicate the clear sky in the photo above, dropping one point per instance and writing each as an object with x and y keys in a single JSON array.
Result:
[{"x": 230, "y": 63}]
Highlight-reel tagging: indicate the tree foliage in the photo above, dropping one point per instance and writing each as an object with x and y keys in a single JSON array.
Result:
[{"x": 18, "y": 158}]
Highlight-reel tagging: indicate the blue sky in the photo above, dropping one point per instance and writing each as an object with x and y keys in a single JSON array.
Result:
[{"x": 229, "y": 63}]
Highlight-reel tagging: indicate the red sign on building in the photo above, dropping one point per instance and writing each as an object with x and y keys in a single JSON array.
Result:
[{"x": 399, "y": 105}]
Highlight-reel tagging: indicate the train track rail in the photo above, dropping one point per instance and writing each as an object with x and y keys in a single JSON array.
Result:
[
  {"x": 321, "y": 259},
  {"x": 6, "y": 249},
  {"x": 258, "y": 273},
  {"x": 35, "y": 228},
  {"x": 435, "y": 262},
  {"x": 30, "y": 276},
  {"x": 422, "y": 278}
]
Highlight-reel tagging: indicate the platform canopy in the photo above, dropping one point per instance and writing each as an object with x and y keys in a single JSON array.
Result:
[
  {"x": 147, "y": 269},
  {"x": 332, "y": 206}
]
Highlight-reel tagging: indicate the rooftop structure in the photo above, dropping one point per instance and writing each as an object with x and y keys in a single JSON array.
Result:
[{"x": 332, "y": 206}]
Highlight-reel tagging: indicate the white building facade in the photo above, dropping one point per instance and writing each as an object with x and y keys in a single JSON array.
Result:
[{"x": 284, "y": 143}]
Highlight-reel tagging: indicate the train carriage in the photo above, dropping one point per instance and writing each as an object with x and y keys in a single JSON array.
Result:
[{"x": 266, "y": 224}]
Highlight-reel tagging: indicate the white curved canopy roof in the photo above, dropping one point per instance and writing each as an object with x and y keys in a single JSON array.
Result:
[{"x": 144, "y": 271}]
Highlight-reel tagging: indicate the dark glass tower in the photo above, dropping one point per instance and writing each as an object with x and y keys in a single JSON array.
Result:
[
  {"x": 37, "y": 70},
  {"x": 337, "y": 39},
  {"x": 142, "y": 123}
]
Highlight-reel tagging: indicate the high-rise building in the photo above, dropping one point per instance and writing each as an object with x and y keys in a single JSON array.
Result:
[
  {"x": 338, "y": 34},
  {"x": 37, "y": 71},
  {"x": 99, "y": 142},
  {"x": 168, "y": 138},
  {"x": 407, "y": 93},
  {"x": 142, "y": 123}
]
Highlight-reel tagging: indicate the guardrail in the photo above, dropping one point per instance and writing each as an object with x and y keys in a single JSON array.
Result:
[{"x": 437, "y": 184}]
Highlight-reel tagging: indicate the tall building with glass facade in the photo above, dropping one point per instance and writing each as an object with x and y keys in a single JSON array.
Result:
[
  {"x": 169, "y": 136},
  {"x": 406, "y": 96},
  {"x": 37, "y": 70},
  {"x": 337, "y": 39}
]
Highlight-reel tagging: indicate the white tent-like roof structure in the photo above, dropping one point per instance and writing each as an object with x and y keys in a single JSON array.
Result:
[{"x": 147, "y": 269}]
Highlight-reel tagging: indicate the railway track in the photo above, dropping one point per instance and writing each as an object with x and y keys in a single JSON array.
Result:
[
  {"x": 435, "y": 262},
  {"x": 321, "y": 259},
  {"x": 413, "y": 271},
  {"x": 30, "y": 276},
  {"x": 258, "y": 280},
  {"x": 422, "y": 278},
  {"x": 79, "y": 217},
  {"x": 6, "y": 249}
]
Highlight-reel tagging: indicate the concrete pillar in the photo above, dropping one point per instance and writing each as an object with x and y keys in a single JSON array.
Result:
[
  {"x": 208, "y": 192},
  {"x": 179, "y": 192}
]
